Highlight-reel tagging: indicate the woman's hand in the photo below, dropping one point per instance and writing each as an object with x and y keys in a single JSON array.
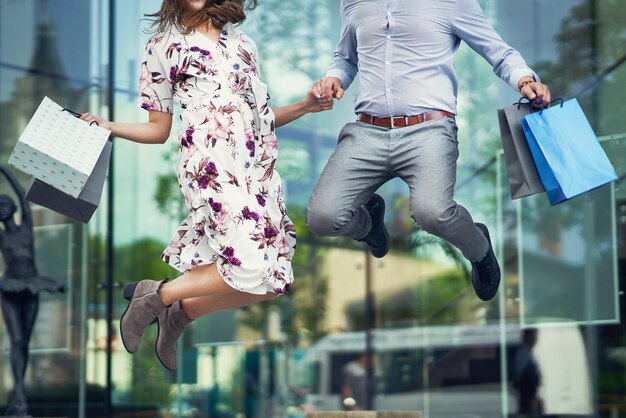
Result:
[
  {"x": 155, "y": 131},
  {"x": 314, "y": 102},
  {"x": 102, "y": 122},
  {"x": 322, "y": 94}
]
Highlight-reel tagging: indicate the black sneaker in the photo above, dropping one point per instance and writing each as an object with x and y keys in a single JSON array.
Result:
[
  {"x": 486, "y": 273},
  {"x": 377, "y": 239}
]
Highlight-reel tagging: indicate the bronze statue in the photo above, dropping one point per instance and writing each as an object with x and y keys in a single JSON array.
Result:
[{"x": 19, "y": 287}]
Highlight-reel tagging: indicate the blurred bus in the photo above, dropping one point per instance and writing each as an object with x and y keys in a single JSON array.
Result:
[{"x": 454, "y": 371}]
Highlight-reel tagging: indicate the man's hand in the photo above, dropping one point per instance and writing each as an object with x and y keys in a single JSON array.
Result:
[
  {"x": 328, "y": 88},
  {"x": 531, "y": 89},
  {"x": 332, "y": 87}
]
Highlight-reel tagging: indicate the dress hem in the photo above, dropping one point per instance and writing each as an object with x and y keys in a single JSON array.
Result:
[{"x": 181, "y": 268}]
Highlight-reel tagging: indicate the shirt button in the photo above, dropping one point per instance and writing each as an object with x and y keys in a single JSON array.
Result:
[
  {"x": 388, "y": 36},
  {"x": 388, "y": 63},
  {"x": 388, "y": 89}
]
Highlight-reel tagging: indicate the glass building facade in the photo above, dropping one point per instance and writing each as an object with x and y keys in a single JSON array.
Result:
[{"x": 407, "y": 329}]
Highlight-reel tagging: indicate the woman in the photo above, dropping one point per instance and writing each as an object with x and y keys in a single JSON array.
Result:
[
  {"x": 236, "y": 245},
  {"x": 19, "y": 287}
]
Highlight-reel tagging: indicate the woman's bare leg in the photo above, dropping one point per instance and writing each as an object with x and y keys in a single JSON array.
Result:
[
  {"x": 199, "y": 306},
  {"x": 201, "y": 281},
  {"x": 203, "y": 291}
]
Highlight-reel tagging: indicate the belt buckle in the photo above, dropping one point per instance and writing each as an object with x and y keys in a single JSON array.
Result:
[{"x": 393, "y": 124}]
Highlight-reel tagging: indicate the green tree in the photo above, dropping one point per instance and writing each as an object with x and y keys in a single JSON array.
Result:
[
  {"x": 590, "y": 62},
  {"x": 438, "y": 300}
]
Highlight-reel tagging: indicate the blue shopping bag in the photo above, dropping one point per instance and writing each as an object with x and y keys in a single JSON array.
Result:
[{"x": 567, "y": 153}]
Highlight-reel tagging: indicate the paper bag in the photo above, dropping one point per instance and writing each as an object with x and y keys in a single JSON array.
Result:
[
  {"x": 567, "y": 153},
  {"x": 58, "y": 148},
  {"x": 520, "y": 166},
  {"x": 82, "y": 207}
]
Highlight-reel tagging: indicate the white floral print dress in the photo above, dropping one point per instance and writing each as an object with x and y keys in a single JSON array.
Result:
[{"x": 227, "y": 154}]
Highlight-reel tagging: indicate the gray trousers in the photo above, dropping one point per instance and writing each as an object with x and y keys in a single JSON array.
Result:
[{"x": 367, "y": 156}]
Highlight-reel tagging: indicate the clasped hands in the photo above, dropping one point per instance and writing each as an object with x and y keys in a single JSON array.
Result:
[
  {"x": 325, "y": 90},
  {"x": 328, "y": 88}
]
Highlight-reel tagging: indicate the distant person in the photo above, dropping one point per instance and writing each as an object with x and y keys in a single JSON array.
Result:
[
  {"x": 527, "y": 376},
  {"x": 354, "y": 383},
  {"x": 236, "y": 245},
  {"x": 19, "y": 287}
]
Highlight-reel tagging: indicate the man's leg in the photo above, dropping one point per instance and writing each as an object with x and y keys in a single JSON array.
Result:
[
  {"x": 425, "y": 157},
  {"x": 356, "y": 169}
]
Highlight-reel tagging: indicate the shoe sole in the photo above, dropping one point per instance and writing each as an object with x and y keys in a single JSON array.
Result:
[
  {"x": 129, "y": 292},
  {"x": 378, "y": 198},
  {"x": 156, "y": 352},
  {"x": 485, "y": 232}
]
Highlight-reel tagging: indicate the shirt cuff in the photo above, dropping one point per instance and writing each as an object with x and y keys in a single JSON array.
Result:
[
  {"x": 519, "y": 73},
  {"x": 345, "y": 78}
]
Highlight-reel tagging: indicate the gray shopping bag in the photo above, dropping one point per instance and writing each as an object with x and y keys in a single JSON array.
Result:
[
  {"x": 520, "y": 165},
  {"x": 80, "y": 208}
]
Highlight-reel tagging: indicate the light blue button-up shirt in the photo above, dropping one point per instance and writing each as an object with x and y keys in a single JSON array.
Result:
[{"x": 404, "y": 52}]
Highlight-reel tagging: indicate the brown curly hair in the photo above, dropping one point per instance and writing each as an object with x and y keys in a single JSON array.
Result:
[{"x": 219, "y": 12}]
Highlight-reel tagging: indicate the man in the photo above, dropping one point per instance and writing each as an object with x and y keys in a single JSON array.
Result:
[
  {"x": 354, "y": 383},
  {"x": 403, "y": 51},
  {"x": 527, "y": 375}
]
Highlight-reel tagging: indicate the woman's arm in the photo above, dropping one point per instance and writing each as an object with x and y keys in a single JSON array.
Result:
[
  {"x": 310, "y": 104},
  {"x": 155, "y": 131},
  {"x": 27, "y": 217}
]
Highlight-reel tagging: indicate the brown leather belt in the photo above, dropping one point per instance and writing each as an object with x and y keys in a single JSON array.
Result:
[{"x": 402, "y": 121}]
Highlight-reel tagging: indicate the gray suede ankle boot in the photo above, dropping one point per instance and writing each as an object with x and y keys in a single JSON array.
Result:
[
  {"x": 172, "y": 321},
  {"x": 143, "y": 308}
]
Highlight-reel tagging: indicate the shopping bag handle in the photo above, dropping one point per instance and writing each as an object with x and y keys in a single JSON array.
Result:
[
  {"x": 543, "y": 107},
  {"x": 558, "y": 99},
  {"x": 78, "y": 115},
  {"x": 522, "y": 101}
]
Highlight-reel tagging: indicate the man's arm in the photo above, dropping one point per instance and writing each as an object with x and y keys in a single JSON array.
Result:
[
  {"x": 344, "y": 66},
  {"x": 470, "y": 24}
]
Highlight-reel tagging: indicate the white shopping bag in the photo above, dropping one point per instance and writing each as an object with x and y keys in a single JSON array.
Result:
[{"x": 58, "y": 148}]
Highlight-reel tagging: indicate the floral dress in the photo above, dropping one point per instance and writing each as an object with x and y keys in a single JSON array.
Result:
[{"x": 226, "y": 160}]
